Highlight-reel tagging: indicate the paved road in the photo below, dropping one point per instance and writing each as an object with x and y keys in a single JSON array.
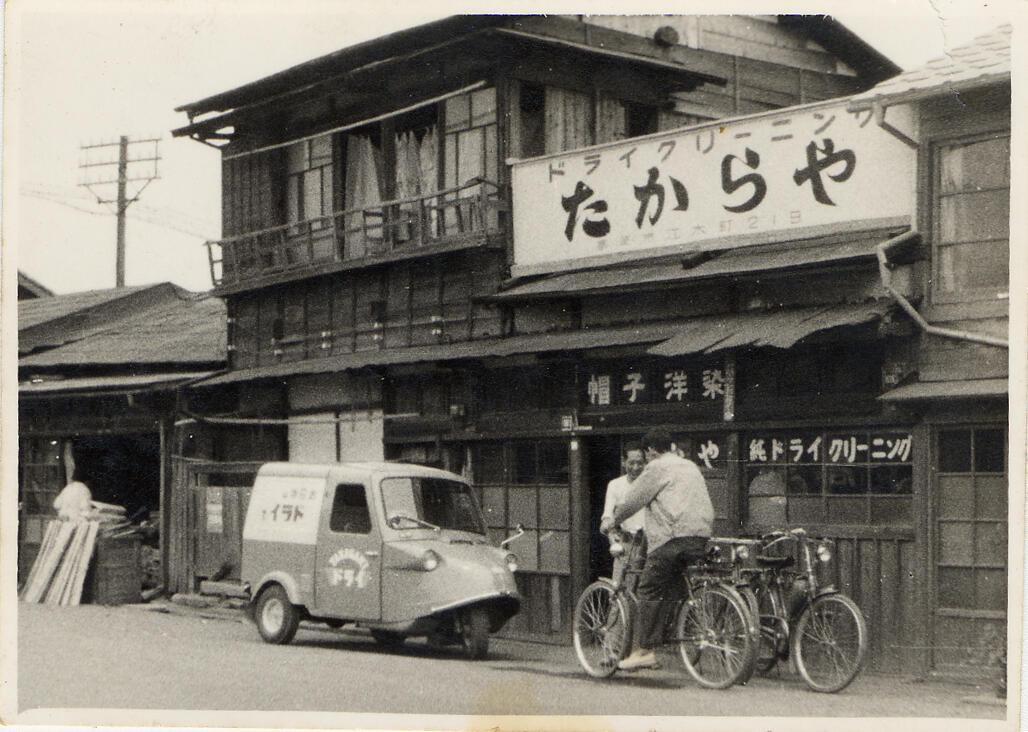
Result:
[{"x": 131, "y": 657}]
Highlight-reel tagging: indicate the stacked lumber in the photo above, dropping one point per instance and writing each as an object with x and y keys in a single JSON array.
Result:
[{"x": 59, "y": 572}]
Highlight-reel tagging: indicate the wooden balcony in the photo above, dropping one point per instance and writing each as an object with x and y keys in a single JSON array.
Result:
[{"x": 471, "y": 215}]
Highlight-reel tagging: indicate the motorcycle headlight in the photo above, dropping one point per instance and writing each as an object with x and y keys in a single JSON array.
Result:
[
  {"x": 742, "y": 552},
  {"x": 429, "y": 560},
  {"x": 617, "y": 549},
  {"x": 512, "y": 562},
  {"x": 824, "y": 552}
]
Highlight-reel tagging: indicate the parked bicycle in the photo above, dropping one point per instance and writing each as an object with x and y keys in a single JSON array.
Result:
[
  {"x": 710, "y": 624},
  {"x": 801, "y": 617}
]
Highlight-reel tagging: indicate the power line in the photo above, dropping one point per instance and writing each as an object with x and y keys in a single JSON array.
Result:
[
  {"x": 167, "y": 218},
  {"x": 128, "y": 171}
]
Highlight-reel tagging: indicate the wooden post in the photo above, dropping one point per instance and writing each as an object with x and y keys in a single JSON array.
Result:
[
  {"x": 165, "y": 429},
  {"x": 578, "y": 474}
]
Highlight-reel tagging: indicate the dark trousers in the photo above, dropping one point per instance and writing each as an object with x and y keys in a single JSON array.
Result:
[{"x": 660, "y": 580}]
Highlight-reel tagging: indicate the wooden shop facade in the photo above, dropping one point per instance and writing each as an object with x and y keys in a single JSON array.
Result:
[{"x": 506, "y": 245}]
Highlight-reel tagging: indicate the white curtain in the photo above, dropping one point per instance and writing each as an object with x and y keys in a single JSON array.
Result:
[{"x": 363, "y": 190}]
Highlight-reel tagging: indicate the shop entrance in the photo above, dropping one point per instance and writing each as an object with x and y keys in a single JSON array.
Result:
[
  {"x": 604, "y": 460},
  {"x": 122, "y": 469}
]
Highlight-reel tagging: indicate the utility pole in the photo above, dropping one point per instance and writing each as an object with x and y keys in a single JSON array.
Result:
[{"x": 129, "y": 170}]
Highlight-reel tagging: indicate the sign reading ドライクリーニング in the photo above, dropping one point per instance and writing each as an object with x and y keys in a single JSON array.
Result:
[{"x": 769, "y": 177}]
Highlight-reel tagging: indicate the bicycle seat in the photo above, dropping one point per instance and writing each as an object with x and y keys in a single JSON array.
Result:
[{"x": 773, "y": 562}]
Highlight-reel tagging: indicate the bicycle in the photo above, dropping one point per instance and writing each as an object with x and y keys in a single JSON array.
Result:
[
  {"x": 710, "y": 623},
  {"x": 819, "y": 627}
]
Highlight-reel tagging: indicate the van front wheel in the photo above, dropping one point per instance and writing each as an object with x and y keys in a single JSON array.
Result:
[
  {"x": 474, "y": 631},
  {"x": 277, "y": 618}
]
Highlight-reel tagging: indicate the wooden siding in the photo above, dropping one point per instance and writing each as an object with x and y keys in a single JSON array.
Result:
[
  {"x": 885, "y": 578},
  {"x": 408, "y": 304},
  {"x": 946, "y": 359},
  {"x": 251, "y": 197}
]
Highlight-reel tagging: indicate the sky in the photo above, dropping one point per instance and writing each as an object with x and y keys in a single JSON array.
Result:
[{"x": 85, "y": 72}]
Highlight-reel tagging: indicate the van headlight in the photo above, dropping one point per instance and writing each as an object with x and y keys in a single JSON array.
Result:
[
  {"x": 512, "y": 562},
  {"x": 429, "y": 560}
]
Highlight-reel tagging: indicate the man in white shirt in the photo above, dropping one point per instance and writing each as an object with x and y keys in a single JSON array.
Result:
[{"x": 633, "y": 462}]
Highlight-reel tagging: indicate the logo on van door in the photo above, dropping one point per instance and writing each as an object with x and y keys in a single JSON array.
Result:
[{"x": 349, "y": 567}]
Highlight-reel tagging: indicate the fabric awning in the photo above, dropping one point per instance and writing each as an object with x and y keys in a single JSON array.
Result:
[
  {"x": 121, "y": 384},
  {"x": 774, "y": 328},
  {"x": 831, "y": 250},
  {"x": 961, "y": 389}
]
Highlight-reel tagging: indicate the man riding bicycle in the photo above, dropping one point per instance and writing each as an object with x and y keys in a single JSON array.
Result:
[{"x": 679, "y": 518}]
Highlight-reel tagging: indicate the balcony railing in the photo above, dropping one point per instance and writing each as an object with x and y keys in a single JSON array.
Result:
[{"x": 467, "y": 215}]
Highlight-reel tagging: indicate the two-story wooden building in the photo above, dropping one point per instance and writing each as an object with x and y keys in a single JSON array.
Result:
[{"x": 506, "y": 244}]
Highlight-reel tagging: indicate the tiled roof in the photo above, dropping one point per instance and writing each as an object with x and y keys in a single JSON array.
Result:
[
  {"x": 986, "y": 60},
  {"x": 184, "y": 331}
]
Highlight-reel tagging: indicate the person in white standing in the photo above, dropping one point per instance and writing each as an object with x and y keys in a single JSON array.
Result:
[{"x": 632, "y": 461}]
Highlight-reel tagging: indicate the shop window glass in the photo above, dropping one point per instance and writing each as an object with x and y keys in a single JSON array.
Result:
[
  {"x": 972, "y": 231},
  {"x": 524, "y": 462},
  {"x": 971, "y": 510},
  {"x": 890, "y": 511},
  {"x": 991, "y": 589},
  {"x": 991, "y": 543},
  {"x": 991, "y": 498},
  {"x": 522, "y": 508},
  {"x": 955, "y": 496},
  {"x": 489, "y": 463},
  {"x": 553, "y": 462},
  {"x": 554, "y": 508},
  {"x": 555, "y": 552},
  {"x": 350, "y": 510},
  {"x": 989, "y": 449},
  {"x": 526, "y": 547},
  {"x": 956, "y": 542},
  {"x": 840, "y": 477},
  {"x": 493, "y": 506},
  {"x": 955, "y": 451},
  {"x": 892, "y": 479},
  {"x": 956, "y": 588}
]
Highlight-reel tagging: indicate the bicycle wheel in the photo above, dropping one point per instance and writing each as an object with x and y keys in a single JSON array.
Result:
[
  {"x": 829, "y": 643},
  {"x": 602, "y": 629},
  {"x": 715, "y": 636},
  {"x": 749, "y": 597},
  {"x": 773, "y": 630}
]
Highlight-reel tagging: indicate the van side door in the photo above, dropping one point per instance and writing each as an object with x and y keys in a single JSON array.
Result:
[{"x": 349, "y": 555}]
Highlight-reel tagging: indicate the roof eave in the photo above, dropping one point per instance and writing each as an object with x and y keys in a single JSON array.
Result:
[{"x": 862, "y": 103}]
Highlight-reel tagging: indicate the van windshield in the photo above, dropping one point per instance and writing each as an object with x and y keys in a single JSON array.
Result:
[{"x": 447, "y": 504}]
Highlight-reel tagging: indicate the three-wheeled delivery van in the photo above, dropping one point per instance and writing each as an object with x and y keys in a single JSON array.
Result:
[{"x": 397, "y": 548}]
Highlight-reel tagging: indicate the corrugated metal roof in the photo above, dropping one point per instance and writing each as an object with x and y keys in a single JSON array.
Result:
[
  {"x": 44, "y": 309},
  {"x": 539, "y": 343},
  {"x": 121, "y": 383},
  {"x": 30, "y": 286},
  {"x": 180, "y": 331},
  {"x": 738, "y": 261},
  {"x": 963, "y": 389},
  {"x": 774, "y": 328},
  {"x": 986, "y": 60}
]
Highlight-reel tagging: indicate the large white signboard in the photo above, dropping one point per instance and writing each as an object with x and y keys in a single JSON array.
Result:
[{"x": 752, "y": 180}]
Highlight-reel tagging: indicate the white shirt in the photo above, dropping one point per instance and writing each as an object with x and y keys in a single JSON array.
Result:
[
  {"x": 74, "y": 501},
  {"x": 617, "y": 489}
]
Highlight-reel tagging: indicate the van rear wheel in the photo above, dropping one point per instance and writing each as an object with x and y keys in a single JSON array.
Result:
[
  {"x": 474, "y": 631},
  {"x": 277, "y": 618}
]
